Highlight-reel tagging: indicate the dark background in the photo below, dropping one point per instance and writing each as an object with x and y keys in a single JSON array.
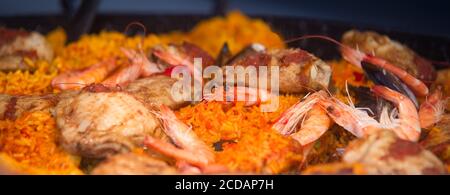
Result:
[
  {"x": 421, "y": 25},
  {"x": 429, "y": 17}
]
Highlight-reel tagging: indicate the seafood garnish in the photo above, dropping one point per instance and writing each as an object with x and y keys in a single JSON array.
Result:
[{"x": 356, "y": 57}]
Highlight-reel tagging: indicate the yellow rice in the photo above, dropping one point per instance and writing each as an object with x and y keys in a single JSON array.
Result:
[
  {"x": 258, "y": 147},
  {"x": 236, "y": 29},
  {"x": 27, "y": 82},
  {"x": 30, "y": 141}
]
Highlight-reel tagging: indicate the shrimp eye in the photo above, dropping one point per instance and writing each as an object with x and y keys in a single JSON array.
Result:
[{"x": 330, "y": 109}]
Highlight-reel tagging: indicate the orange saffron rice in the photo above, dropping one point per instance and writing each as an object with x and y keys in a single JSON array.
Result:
[
  {"x": 29, "y": 145},
  {"x": 252, "y": 145}
]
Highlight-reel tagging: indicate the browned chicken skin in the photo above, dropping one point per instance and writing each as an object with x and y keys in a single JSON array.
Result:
[
  {"x": 438, "y": 139},
  {"x": 12, "y": 107},
  {"x": 155, "y": 90},
  {"x": 97, "y": 121},
  {"x": 384, "y": 153},
  {"x": 97, "y": 124},
  {"x": 299, "y": 71}
]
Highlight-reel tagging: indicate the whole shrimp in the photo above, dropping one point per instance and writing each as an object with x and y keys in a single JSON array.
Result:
[
  {"x": 139, "y": 66},
  {"x": 80, "y": 78},
  {"x": 358, "y": 122},
  {"x": 356, "y": 57}
]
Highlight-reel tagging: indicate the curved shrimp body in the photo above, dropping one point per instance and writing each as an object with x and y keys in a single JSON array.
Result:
[
  {"x": 359, "y": 123},
  {"x": 407, "y": 126},
  {"x": 191, "y": 149},
  {"x": 314, "y": 120},
  {"x": 316, "y": 123},
  {"x": 356, "y": 57},
  {"x": 176, "y": 58},
  {"x": 287, "y": 123},
  {"x": 184, "y": 55},
  {"x": 148, "y": 68},
  {"x": 173, "y": 56},
  {"x": 432, "y": 110},
  {"x": 140, "y": 65},
  {"x": 123, "y": 76},
  {"x": 80, "y": 78},
  {"x": 251, "y": 96}
]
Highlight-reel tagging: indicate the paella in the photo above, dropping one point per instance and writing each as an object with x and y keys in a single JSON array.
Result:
[{"x": 226, "y": 97}]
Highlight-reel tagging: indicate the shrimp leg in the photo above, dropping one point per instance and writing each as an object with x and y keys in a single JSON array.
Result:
[{"x": 432, "y": 109}]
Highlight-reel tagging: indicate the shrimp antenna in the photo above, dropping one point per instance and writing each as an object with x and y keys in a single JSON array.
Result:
[
  {"x": 349, "y": 99},
  {"x": 328, "y": 91},
  {"x": 309, "y": 88},
  {"x": 139, "y": 24},
  {"x": 304, "y": 97},
  {"x": 442, "y": 63},
  {"x": 316, "y": 37},
  {"x": 71, "y": 84}
]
